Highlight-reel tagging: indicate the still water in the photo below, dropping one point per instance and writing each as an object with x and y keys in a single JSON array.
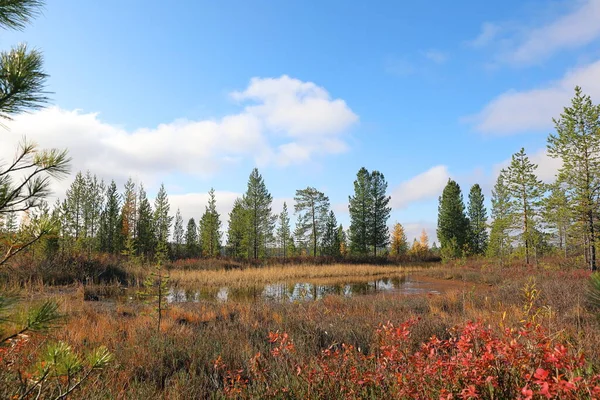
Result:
[{"x": 304, "y": 291}]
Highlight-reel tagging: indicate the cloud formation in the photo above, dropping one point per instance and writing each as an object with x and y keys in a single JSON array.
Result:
[
  {"x": 425, "y": 186},
  {"x": 284, "y": 121},
  {"x": 519, "y": 45},
  {"x": 532, "y": 110}
]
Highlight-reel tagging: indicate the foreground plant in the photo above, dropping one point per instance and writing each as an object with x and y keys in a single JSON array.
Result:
[
  {"x": 474, "y": 363},
  {"x": 59, "y": 370}
]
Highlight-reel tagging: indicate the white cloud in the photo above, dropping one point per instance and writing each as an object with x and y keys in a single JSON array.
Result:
[
  {"x": 287, "y": 121},
  {"x": 577, "y": 28},
  {"x": 425, "y": 186},
  {"x": 489, "y": 32},
  {"x": 436, "y": 56},
  {"x": 520, "y": 45},
  {"x": 533, "y": 110}
]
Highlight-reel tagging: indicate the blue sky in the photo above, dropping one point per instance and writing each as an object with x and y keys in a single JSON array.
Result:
[{"x": 196, "y": 93}]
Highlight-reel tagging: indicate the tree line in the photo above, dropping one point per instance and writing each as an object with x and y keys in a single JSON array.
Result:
[
  {"x": 530, "y": 218},
  {"x": 94, "y": 217}
]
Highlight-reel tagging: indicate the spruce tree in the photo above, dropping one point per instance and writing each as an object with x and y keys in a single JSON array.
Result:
[
  {"x": 502, "y": 219},
  {"x": 128, "y": 217},
  {"x": 330, "y": 243},
  {"x": 577, "y": 144},
  {"x": 312, "y": 207},
  {"x": 109, "y": 240},
  {"x": 526, "y": 192},
  {"x": 453, "y": 225},
  {"x": 237, "y": 230},
  {"x": 162, "y": 220},
  {"x": 478, "y": 220},
  {"x": 360, "y": 208},
  {"x": 378, "y": 232},
  {"x": 145, "y": 239},
  {"x": 191, "y": 239},
  {"x": 257, "y": 202},
  {"x": 178, "y": 234},
  {"x": 210, "y": 228},
  {"x": 284, "y": 230}
]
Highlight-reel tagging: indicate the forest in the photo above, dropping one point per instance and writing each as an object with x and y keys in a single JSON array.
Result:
[{"x": 107, "y": 293}]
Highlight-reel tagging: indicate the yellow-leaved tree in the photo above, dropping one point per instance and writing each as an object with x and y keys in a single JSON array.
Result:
[{"x": 399, "y": 244}]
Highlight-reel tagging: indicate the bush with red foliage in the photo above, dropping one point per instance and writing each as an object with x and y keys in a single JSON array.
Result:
[{"x": 474, "y": 363}]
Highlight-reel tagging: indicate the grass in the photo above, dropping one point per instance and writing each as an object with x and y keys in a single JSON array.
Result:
[
  {"x": 210, "y": 350},
  {"x": 260, "y": 276}
]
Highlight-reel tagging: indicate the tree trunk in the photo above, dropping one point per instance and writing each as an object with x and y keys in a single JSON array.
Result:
[{"x": 592, "y": 241}]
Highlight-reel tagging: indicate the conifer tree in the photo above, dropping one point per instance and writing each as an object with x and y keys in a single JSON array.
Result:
[
  {"x": 129, "y": 212},
  {"x": 145, "y": 242},
  {"x": 558, "y": 215},
  {"x": 162, "y": 220},
  {"x": 360, "y": 208},
  {"x": 260, "y": 222},
  {"x": 330, "y": 243},
  {"x": 478, "y": 220},
  {"x": 378, "y": 233},
  {"x": 237, "y": 229},
  {"x": 453, "y": 225},
  {"x": 210, "y": 228},
  {"x": 399, "y": 243},
  {"x": 502, "y": 219},
  {"x": 312, "y": 207},
  {"x": 284, "y": 230},
  {"x": 109, "y": 239},
  {"x": 526, "y": 192},
  {"x": 92, "y": 209},
  {"x": 577, "y": 144},
  {"x": 178, "y": 234},
  {"x": 191, "y": 239}
]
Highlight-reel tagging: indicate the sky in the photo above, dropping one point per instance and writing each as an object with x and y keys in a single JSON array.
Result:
[{"x": 194, "y": 94}]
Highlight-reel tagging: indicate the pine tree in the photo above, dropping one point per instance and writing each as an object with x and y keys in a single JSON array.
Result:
[
  {"x": 74, "y": 208},
  {"x": 360, "y": 208},
  {"x": 577, "y": 144},
  {"x": 210, "y": 228},
  {"x": 557, "y": 215},
  {"x": 399, "y": 242},
  {"x": 162, "y": 220},
  {"x": 237, "y": 230},
  {"x": 330, "y": 243},
  {"x": 284, "y": 230},
  {"x": 178, "y": 234},
  {"x": 502, "y": 219},
  {"x": 145, "y": 242},
  {"x": 109, "y": 239},
  {"x": 312, "y": 207},
  {"x": 478, "y": 221},
  {"x": 92, "y": 209},
  {"x": 453, "y": 225},
  {"x": 378, "y": 233},
  {"x": 257, "y": 202},
  {"x": 191, "y": 239},
  {"x": 526, "y": 192}
]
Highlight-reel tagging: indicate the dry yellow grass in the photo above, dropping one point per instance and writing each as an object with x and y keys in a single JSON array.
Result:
[{"x": 256, "y": 276}]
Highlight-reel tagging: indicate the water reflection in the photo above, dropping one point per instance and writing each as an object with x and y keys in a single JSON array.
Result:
[{"x": 302, "y": 291}]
